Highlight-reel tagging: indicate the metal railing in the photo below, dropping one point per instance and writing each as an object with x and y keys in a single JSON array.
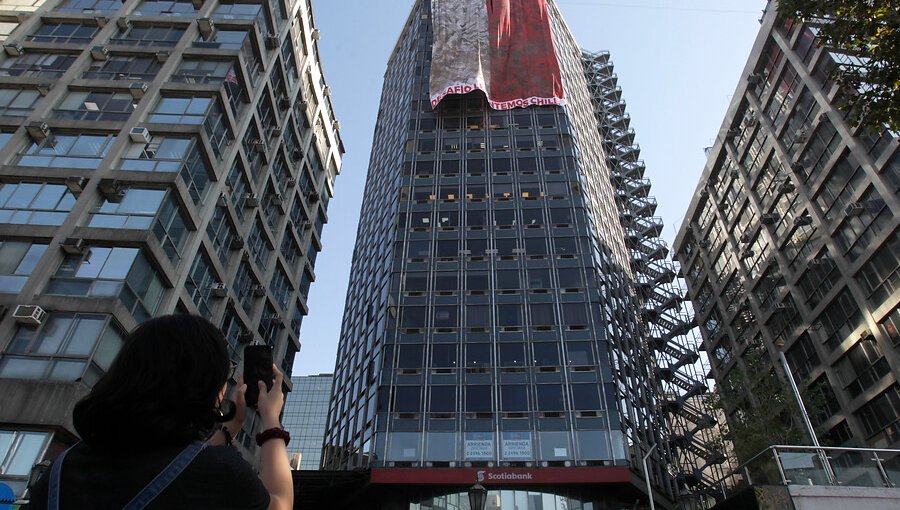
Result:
[{"x": 809, "y": 465}]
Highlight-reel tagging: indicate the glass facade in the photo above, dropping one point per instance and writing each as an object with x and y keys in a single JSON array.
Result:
[
  {"x": 128, "y": 197},
  {"x": 491, "y": 318},
  {"x": 305, "y": 416},
  {"x": 791, "y": 242}
]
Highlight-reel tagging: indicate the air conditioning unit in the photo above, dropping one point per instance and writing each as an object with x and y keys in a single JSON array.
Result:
[
  {"x": 786, "y": 187},
  {"x": 275, "y": 132},
  {"x": 296, "y": 155},
  {"x": 746, "y": 237},
  {"x": 274, "y": 317},
  {"x": 735, "y": 173},
  {"x": 218, "y": 290},
  {"x": 76, "y": 184},
  {"x": 780, "y": 307},
  {"x": 29, "y": 315},
  {"x": 251, "y": 200},
  {"x": 291, "y": 181},
  {"x": 746, "y": 254},
  {"x": 236, "y": 243},
  {"x": 73, "y": 246},
  {"x": 271, "y": 41},
  {"x": 754, "y": 78},
  {"x": 206, "y": 27},
  {"x": 245, "y": 337},
  {"x": 99, "y": 53},
  {"x": 704, "y": 193},
  {"x": 802, "y": 221},
  {"x": 277, "y": 199},
  {"x": 197, "y": 3},
  {"x": 825, "y": 260},
  {"x": 337, "y": 125},
  {"x": 769, "y": 219},
  {"x": 101, "y": 21},
  {"x": 140, "y": 135},
  {"x": 284, "y": 103},
  {"x": 258, "y": 290},
  {"x": 38, "y": 131},
  {"x": 732, "y": 133},
  {"x": 13, "y": 49},
  {"x": 327, "y": 91},
  {"x": 162, "y": 56},
  {"x": 222, "y": 201},
  {"x": 258, "y": 145},
  {"x": 801, "y": 135},
  {"x": 111, "y": 189},
  {"x": 306, "y": 224},
  {"x": 123, "y": 24},
  {"x": 797, "y": 167},
  {"x": 855, "y": 209},
  {"x": 316, "y": 34},
  {"x": 137, "y": 89},
  {"x": 313, "y": 196}
]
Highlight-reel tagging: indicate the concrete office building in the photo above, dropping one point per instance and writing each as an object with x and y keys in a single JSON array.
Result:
[
  {"x": 507, "y": 317},
  {"x": 305, "y": 416},
  {"x": 157, "y": 157},
  {"x": 790, "y": 242}
]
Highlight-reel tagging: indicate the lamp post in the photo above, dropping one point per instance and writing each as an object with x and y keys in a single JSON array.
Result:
[
  {"x": 647, "y": 478},
  {"x": 477, "y": 496}
]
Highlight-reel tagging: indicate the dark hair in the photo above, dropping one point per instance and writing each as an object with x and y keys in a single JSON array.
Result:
[{"x": 161, "y": 389}]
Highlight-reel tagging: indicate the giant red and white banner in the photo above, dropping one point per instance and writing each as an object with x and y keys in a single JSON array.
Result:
[{"x": 501, "y": 47}]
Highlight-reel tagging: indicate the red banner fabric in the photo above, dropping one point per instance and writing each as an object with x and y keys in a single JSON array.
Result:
[{"x": 515, "y": 67}]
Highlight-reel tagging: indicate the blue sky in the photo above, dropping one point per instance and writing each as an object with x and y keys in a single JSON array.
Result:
[{"x": 678, "y": 63}]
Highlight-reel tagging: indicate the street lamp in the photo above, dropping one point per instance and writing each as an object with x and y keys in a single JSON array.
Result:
[{"x": 477, "y": 496}]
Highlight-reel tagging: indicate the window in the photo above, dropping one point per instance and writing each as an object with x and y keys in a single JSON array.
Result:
[
  {"x": 223, "y": 39},
  {"x": 61, "y": 349},
  {"x": 881, "y": 418},
  {"x": 862, "y": 367},
  {"x": 75, "y": 33},
  {"x": 221, "y": 232},
  {"x": 212, "y": 72},
  {"x": 195, "y": 110},
  {"x": 280, "y": 286},
  {"x": 82, "y": 105},
  {"x": 19, "y": 451},
  {"x": 170, "y": 229},
  {"x": 169, "y": 154},
  {"x": 18, "y": 102},
  {"x": 136, "y": 210},
  {"x": 66, "y": 151},
  {"x": 123, "y": 273},
  {"x": 199, "y": 283},
  {"x": 149, "y": 35},
  {"x": 124, "y": 67},
  {"x": 839, "y": 319},
  {"x": 89, "y": 6},
  {"x": 880, "y": 276},
  {"x": 28, "y": 203},
  {"x": 165, "y": 8},
  {"x": 237, "y": 11},
  {"x": 43, "y": 65},
  {"x": 479, "y": 399},
  {"x": 17, "y": 261}
]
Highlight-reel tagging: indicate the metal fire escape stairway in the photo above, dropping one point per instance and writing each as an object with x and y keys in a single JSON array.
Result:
[{"x": 669, "y": 327}]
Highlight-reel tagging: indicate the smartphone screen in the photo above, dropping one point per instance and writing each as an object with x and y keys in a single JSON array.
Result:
[{"x": 257, "y": 367}]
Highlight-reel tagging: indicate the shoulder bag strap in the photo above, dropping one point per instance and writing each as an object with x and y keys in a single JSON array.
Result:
[
  {"x": 53, "y": 487},
  {"x": 165, "y": 478}
]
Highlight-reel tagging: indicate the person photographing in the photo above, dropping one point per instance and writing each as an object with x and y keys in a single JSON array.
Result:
[{"x": 157, "y": 430}]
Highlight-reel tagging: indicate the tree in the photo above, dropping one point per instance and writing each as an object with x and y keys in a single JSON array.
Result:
[
  {"x": 867, "y": 31},
  {"x": 761, "y": 408}
]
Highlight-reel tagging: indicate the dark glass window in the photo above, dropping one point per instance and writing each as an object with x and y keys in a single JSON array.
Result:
[
  {"x": 478, "y": 355},
  {"x": 586, "y": 397},
  {"x": 512, "y": 355},
  {"x": 443, "y": 399},
  {"x": 410, "y": 356},
  {"x": 539, "y": 278},
  {"x": 416, "y": 282},
  {"x": 477, "y": 281},
  {"x": 413, "y": 317},
  {"x": 569, "y": 277},
  {"x": 445, "y": 280},
  {"x": 407, "y": 399},
  {"x": 479, "y": 399},
  {"x": 514, "y": 398},
  {"x": 550, "y": 397},
  {"x": 574, "y": 314},
  {"x": 508, "y": 279},
  {"x": 546, "y": 354},
  {"x": 507, "y": 247},
  {"x": 579, "y": 353},
  {"x": 535, "y": 246},
  {"x": 476, "y": 247},
  {"x": 478, "y": 316},
  {"x": 445, "y": 316},
  {"x": 443, "y": 356},
  {"x": 564, "y": 246},
  {"x": 542, "y": 314},
  {"x": 509, "y": 315}
]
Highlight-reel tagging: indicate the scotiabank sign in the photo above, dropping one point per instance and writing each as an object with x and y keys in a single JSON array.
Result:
[{"x": 491, "y": 477}]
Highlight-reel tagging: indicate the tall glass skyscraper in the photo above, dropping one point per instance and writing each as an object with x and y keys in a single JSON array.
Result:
[
  {"x": 496, "y": 322},
  {"x": 155, "y": 157},
  {"x": 305, "y": 416}
]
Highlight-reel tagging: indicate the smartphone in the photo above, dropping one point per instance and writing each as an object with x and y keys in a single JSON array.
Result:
[{"x": 257, "y": 367}]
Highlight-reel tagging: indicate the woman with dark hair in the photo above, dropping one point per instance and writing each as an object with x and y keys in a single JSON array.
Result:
[{"x": 149, "y": 431}]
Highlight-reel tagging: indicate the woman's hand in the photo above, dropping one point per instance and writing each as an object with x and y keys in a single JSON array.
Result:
[{"x": 270, "y": 402}]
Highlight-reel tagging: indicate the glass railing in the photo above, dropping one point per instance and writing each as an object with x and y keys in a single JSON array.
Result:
[{"x": 809, "y": 465}]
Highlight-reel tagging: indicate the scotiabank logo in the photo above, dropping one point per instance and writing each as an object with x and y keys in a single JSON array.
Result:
[{"x": 503, "y": 476}]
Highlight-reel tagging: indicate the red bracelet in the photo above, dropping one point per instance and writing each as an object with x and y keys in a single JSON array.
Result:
[{"x": 272, "y": 433}]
